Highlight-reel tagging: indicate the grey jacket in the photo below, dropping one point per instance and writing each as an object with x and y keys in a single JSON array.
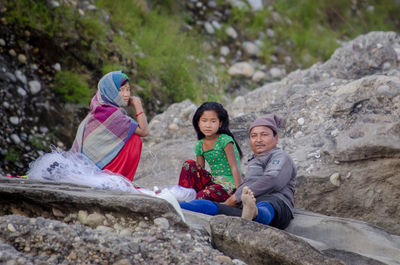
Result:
[{"x": 272, "y": 172}]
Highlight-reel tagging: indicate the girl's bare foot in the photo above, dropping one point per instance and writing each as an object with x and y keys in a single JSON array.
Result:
[{"x": 250, "y": 210}]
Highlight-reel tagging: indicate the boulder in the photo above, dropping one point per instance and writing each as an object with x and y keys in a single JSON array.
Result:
[{"x": 255, "y": 243}]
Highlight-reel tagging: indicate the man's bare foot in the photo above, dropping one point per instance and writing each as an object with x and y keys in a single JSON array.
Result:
[{"x": 250, "y": 210}]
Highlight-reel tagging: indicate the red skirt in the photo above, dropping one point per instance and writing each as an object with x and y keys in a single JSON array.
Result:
[{"x": 127, "y": 160}]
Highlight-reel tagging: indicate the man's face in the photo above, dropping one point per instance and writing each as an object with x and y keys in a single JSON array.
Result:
[{"x": 262, "y": 139}]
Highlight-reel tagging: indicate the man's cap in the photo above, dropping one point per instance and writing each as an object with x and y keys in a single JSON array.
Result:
[{"x": 270, "y": 120}]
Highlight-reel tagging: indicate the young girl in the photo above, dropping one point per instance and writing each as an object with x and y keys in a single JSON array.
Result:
[
  {"x": 108, "y": 136},
  {"x": 218, "y": 147}
]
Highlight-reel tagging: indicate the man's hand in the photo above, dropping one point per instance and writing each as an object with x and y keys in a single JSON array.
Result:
[{"x": 231, "y": 201}]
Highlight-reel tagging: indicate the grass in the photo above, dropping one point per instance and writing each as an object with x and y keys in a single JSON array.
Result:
[
  {"x": 72, "y": 87},
  {"x": 308, "y": 30}
]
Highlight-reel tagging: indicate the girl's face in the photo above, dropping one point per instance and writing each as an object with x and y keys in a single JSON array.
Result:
[
  {"x": 209, "y": 123},
  {"x": 125, "y": 92}
]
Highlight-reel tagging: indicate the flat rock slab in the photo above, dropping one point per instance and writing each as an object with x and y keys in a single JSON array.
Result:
[
  {"x": 60, "y": 199},
  {"x": 255, "y": 243}
]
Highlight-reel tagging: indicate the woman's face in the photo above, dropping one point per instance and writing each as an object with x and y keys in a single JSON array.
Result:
[
  {"x": 125, "y": 92},
  {"x": 209, "y": 123}
]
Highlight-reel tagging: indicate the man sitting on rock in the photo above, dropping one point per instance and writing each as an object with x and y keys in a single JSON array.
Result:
[{"x": 266, "y": 194}]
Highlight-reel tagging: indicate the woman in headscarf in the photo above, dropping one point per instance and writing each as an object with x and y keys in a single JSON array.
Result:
[{"x": 108, "y": 136}]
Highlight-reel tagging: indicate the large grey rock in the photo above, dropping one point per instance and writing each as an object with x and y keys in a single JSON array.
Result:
[
  {"x": 258, "y": 244},
  {"x": 341, "y": 235},
  {"x": 72, "y": 198},
  {"x": 55, "y": 223},
  {"x": 351, "y": 241}
]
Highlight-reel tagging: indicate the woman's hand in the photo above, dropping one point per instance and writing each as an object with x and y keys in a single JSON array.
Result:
[
  {"x": 142, "y": 129},
  {"x": 136, "y": 103}
]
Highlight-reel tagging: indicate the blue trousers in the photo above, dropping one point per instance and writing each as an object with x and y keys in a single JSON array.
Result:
[{"x": 266, "y": 211}]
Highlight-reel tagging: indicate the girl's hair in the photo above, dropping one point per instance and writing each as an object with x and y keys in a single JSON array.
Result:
[{"x": 222, "y": 116}]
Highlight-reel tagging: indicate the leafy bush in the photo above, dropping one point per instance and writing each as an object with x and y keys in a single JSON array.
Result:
[{"x": 72, "y": 87}]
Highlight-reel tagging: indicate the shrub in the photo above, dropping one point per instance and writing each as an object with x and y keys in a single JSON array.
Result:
[{"x": 72, "y": 87}]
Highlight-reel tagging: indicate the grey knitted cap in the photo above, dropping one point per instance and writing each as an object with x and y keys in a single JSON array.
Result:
[{"x": 270, "y": 120}]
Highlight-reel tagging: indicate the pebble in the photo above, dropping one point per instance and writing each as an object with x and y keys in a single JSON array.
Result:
[
  {"x": 35, "y": 86},
  {"x": 224, "y": 259},
  {"x": 259, "y": 76},
  {"x": 15, "y": 138},
  {"x": 300, "y": 121},
  {"x": 209, "y": 28},
  {"x": 162, "y": 223},
  {"x": 231, "y": 32},
  {"x": 216, "y": 24},
  {"x": 335, "y": 179},
  {"x": 57, "y": 67},
  {"x": 95, "y": 219},
  {"x": 11, "y": 228},
  {"x": 57, "y": 212},
  {"x": 275, "y": 72},
  {"x": 224, "y": 50},
  {"x": 241, "y": 69},
  {"x": 251, "y": 48},
  {"x": 173, "y": 127},
  {"x": 2, "y": 42},
  {"x": 12, "y": 52},
  {"x": 21, "y": 58},
  {"x": 20, "y": 76},
  {"x": 14, "y": 120}
]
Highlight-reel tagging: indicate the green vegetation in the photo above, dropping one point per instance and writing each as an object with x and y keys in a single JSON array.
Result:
[
  {"x": 72, "y": 87},
  {"x": 170, "y": 63},
  {"x": 11, "y": 155},
  {"x": 147, "y": 44},
  {"x": 37, "y": 142},
  {"x": 308, "y": 30}
]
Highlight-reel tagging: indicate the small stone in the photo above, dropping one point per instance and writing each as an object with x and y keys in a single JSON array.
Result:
[
  {"x": 251, "y": 48},
  {"x": 57, "y": 67},
  {"x": 300, "y": 121},
  {"x": 95, "y": 219},
  {"x": 21, "y": 58},
  {"x": 259, "y": 76},
  {"x": 231, "y": 32},
  {"x": 270, "y": 33},
  {"x": 15, "y": 138},
  {"x": 21, "y": 91},
  {"x": 216, "y": 25},
  {"x": 12, "y": 52},
  {"x": 72, "y": 256},
  {"x": 2, "y": 42},
  {"x": 209, "y": 28},
  {"x": 224, "y": 50},
  {"x": 20, "y": 76},
  {"x": 173, "y": 127},
  {"x": 162, "y": 223},
  {"x": 125, "y": 232},
  {"x": 11, "y": 228},
  {"x": 104, "y": 228},
  {"x": 143, "y": 224},
  {"x": 82, "y": 216},
  {"x": 57, "y": 212},
  {"x": 224, "y": 259},
  {"x": 241, "y": 69},
  {"x": 275, "y": 72},
  {"x": 123, "y": 262},
  {"x": 35, "y": 86},
  {"x": 14, "y": 120},
  {"x": 335, "y": 179}
]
